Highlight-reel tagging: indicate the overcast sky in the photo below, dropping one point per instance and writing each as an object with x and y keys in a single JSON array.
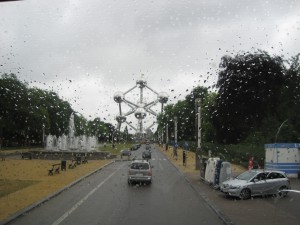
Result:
[{"x": 88, "y": 50}]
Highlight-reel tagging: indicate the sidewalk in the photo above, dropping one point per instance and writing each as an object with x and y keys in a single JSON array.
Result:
[{"x": 266, "y": 211}]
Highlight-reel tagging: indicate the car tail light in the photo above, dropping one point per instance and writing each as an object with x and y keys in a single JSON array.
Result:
[{"x": 149, "y": 173}]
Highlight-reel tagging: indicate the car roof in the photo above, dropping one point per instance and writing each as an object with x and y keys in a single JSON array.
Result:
[
  {"x": 267, "y": 171},
  {"x": 139, "y": 161}
]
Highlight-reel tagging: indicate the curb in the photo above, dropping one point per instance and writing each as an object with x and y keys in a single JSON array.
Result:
[
  {"x": 225, "y": 219},
  {"x": 37, "y": 204}
]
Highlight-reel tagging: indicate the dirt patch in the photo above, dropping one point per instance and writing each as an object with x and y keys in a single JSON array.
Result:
[
  {"x": 190, "y": 159},
  {"x": 36, "y": 171},
  {"x": 190, "y": 166}
]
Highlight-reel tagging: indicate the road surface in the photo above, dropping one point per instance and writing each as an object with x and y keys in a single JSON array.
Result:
[{"x": 105, "y": 198}]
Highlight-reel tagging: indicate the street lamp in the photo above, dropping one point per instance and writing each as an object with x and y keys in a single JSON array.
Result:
[
  {"x": 167, "y": 134},
  {"x": 175, "y": 132},
  {"x": 43, "y": 138},
  {"x": 277, "y": 152},
  {"x": 198, "y": 150}
]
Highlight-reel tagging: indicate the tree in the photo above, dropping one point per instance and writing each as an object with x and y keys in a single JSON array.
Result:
[
  {"x": 185, "y": 111},
  {"x": 289, "y": 104},
  {"x": 126, "y": 133},
  {"x": 14, "y": 112},
  {"x": 98, "y": 129},
  {"x": 249, "y": 88}
]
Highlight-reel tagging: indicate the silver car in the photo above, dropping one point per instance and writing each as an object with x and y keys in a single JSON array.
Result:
[
  {"x": 255, "y": 183},
  {"x": 140, "y": 171}
]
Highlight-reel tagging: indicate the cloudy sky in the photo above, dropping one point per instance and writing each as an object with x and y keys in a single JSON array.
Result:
[{"x": 88, "y": 50}]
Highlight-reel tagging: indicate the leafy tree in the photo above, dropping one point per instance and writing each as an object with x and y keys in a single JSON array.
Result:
[
  {"x": 249, "y": 89},
  {"x": 13, "y": 109},
  {"x": 38, "y": 114},
  {"x": 185, "y": 111},
  {"x": 98, "y": 129},
  {"x": 59, "y": 114},
  {"x": 289, "y": 105},
  {"x": 126, "y": 133},
  {"x": 81, "y": 125}
]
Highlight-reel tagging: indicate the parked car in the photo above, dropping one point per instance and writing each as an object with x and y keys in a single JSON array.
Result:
[
  {"x": 140, "y": 171},
  {"x": 146, "y": 154},
  {"x": 125, "y": 152},
  {"x": 257, "y": 182}
]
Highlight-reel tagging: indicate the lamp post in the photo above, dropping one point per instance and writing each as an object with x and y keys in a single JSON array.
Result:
[
  {"x": 43, "y": 138},
  {"x": 167, "y": 135},
  {"x": 277, "y": 152},
  {"x": 175, "y": 129},
  {"x": 198, "y": 150}
]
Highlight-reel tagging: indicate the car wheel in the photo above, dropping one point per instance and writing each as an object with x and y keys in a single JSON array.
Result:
[
  {"x": 282, "y": 194},
  {"x": 245, "y": 194}
]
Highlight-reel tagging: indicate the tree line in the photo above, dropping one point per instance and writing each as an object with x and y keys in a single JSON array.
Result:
[
  {"x": 28, "y": 113},
  {"x": 255, "y": 95}
]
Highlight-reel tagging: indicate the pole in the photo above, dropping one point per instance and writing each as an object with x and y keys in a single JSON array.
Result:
[
  {"x": 43, "y": 138},
  {"x": 175, "y": 125},
  {"x": 167, "y": 136},
  {"x": 198, "y": 150}
]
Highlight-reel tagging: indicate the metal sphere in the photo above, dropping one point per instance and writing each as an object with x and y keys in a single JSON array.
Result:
[
  {"x": 121, "y": 119},
  {"x": 141, "y": 82},
  {"x": 163, "y": 97},
  {"x": 140, "y": 113},
  {"x": 118, "y": 97}
]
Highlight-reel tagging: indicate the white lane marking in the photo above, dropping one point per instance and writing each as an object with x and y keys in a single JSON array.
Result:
[{"x": 66, "y": 214}]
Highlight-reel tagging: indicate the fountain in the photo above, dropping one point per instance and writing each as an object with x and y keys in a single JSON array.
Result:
[{"x": 71, "y": 143}]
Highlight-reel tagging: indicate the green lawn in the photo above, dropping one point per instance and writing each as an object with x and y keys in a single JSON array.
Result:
[
  {"x": 10, "y": 186},
  {"x": 117, "y": 149}
]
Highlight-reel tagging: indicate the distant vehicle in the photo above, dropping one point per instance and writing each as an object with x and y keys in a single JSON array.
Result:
[
  {"x": 146, "y": 154},
  {"x": 135, "y": 147},
  {"x": 148, "y": 147},
  {"x": 140, "y": 171},
  {"x": 257, "y": 182},
  {"x": 125, "y": 152}
]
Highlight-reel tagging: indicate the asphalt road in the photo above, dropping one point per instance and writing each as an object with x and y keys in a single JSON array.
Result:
[{"x": 106, "y": 198}]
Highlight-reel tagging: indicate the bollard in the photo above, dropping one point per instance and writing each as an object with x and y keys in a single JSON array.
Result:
[{"x": 184, "y": 157}]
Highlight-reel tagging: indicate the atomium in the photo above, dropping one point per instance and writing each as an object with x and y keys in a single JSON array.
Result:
[
  {"x": 141, "y": 108},
  {"x": 118, "y": 97},
  {"x": 163, "y": 97}
]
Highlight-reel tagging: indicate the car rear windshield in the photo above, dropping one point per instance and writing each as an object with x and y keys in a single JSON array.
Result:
[{"x": 139, "y": 166}]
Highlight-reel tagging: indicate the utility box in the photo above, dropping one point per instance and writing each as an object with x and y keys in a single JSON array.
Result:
[
  {"x": 284, "y": 157},
  {"x": 217, "y": 171},
  {"x": 210, "y": 171}
]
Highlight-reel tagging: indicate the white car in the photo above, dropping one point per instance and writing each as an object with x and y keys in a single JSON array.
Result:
[
  {"x": 140, "y": 171},
  {"x": 257, "y": 182}
]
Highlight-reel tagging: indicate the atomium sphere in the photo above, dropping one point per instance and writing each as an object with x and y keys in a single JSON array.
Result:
[
  {"x": 140, "y": 113},
  {"x": 118, "y": 97},
  {"x": 163, "y": 97},
  {"x": 120, "y": 119},
  {"x": 141, "y": 82}
]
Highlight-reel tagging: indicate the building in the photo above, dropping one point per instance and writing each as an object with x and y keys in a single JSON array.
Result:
[{"x": 284, "y": 157}]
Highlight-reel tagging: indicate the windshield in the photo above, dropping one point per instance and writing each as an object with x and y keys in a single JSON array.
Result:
[{"x": 193, "y": 92}]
